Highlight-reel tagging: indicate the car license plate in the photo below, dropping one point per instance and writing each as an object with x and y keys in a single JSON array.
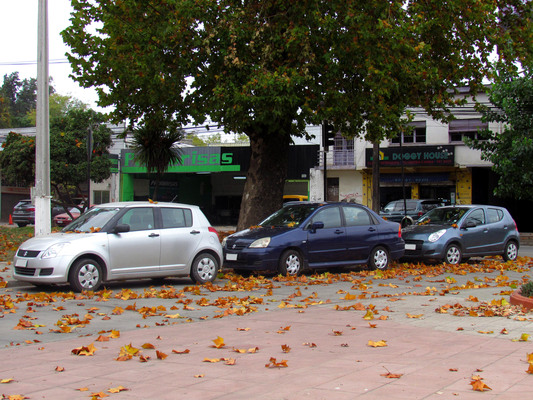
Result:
[
  {"x": 410, "y": 246},
  {"x": 21, "y": 262},
  {"x": 231, "y": 257}
]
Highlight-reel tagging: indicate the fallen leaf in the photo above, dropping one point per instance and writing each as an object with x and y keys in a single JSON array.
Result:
[
  {"x": 186, "y": 351},
  {"x": 478, "y": 384},
  {"x": 59, "y": 369},
  {"x": 7, "y": 380},
  {"x": 381, "y": 343},
  {"x": 285, "y": 348},
  {"x": 273, "y": 363},
  {"x": 160, "y": 355},
  {"x": 219, "y": 343},
  {"x": 117, "y": 389},
  {"x": 84, "y": 350}
]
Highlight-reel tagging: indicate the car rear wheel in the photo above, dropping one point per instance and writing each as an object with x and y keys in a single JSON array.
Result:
[
  {"x": 453, "y": 254},
  {"x": 85, "y": 274},
  {"x": 379, "y": 258},
  {"x": 22, "y": 224},
  {"x": 291, "y": 263},
  {"x": 204, "y": 268},
  {"x": 511, "y": 251}
]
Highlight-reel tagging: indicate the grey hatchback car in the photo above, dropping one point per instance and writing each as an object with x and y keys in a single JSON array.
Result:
[
  {"x": 128, "y": 240},
  {"x": 454, "y": 234}
]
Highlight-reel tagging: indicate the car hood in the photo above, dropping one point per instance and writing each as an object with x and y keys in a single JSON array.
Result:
[
  {"x": 261, "y": 232},
  {"x": 423, "y": 229},
  {"x": 43, "y": 242}
]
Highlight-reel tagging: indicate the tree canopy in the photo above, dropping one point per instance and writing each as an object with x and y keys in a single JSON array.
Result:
[
  {"x": 68, "y": 155},
  {"x": 269, "y": 68},
  {"x": 511, "y": 149}
]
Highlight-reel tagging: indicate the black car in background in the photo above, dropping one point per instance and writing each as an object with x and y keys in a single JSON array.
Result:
[
  {"x": 414, "y": 209},
  {"x": 24, "y": 213}
]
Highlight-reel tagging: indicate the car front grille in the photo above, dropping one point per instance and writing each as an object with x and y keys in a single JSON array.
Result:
[
  {"x": 28, "y": 253},
  {"x": 25, "y": 271}
]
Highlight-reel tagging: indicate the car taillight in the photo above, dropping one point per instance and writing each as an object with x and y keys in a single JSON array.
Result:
[
  {"x": 31, "y": 209},
  {"x": 213, "y": 230},
  {"x": 515, "y": 226},
  {"x": 400, "y": 231},
  {"x": 420, "y": 213}
]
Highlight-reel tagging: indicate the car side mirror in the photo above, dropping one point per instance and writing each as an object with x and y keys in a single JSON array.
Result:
[
  {"x": 315, "y": 226},
  {"x": 469, "y": 224},
  {"x": 121, "y": 228}
]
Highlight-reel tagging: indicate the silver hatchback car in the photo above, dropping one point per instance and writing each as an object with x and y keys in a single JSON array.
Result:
[{"x": 127, "y": 240}]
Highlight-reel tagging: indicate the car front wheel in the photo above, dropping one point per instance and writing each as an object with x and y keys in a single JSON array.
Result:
[
  {"x": 453, "y": 254},
  {"x": 379, "y": 258},
  {"x": 511, "y": 251},
  {"x": 85, "y": 274},
  {"x": 204, "y": 268},
  {"x": 291, "y": 263}
]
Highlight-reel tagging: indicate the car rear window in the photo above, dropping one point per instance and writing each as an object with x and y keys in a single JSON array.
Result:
[
  {"x": 176, "y": 217},
  {"x": 494, "y": 215}
]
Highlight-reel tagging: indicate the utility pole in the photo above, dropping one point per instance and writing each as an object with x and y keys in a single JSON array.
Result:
[{"x": 43, "y": 223}]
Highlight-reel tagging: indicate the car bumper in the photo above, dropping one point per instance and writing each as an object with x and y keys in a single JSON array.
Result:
[
  {"x": 252, "y": 259},
  {"x": 424, "y": 250},
  {"x": 37, "y": 270}
]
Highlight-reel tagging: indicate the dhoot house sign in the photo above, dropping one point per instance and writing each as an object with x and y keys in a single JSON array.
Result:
[{"x": 419, "y": 156}]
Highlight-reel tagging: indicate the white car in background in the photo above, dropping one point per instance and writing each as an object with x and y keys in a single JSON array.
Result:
[{"x": 128, "y": 240}]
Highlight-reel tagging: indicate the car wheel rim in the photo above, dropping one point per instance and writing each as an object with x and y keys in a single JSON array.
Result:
[
  {"x": 453, "y": 255},
  {"x": 88, "y": 276},
  {"x": 293, "y": 264},
  {"x": 511, "y": 251},
  {"x": 206, "y": 269},
  {"x": 380, "y": 259}
]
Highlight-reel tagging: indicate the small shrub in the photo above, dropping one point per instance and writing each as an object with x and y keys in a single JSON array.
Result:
[{"x": 526, "y": 289}]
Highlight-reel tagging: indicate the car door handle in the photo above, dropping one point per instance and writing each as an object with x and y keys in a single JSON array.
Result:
[
  {"x": 153, "y": 235},
  {"x": 339, "y": 231},
  {"x": 195, "y": 232},
  {"x": 371, "y": 229}
]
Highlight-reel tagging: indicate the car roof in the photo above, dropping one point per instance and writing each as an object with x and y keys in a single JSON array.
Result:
[{"x": 124, "y": 204}]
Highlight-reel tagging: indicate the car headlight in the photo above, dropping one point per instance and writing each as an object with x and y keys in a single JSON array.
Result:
[
  {"x": 54, "y": 250},
  {"x": 224, "y": 242},
  {"x": 436, "y": 235},
  {"x": 260, "y": 243}
]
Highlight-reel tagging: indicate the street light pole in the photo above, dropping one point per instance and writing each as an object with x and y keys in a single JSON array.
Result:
[{"x": 43, "y": 223}]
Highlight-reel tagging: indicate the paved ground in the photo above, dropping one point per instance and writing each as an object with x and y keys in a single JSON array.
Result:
[{"x": 328, "y": 344}]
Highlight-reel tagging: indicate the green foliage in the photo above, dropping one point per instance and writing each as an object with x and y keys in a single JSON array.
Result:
[
  {"x": 526, "y": 289},
  {"x": 510, "y": 150},
  {"x": 17, "y": 160},
  {"x": 68, "y": 153},
  {"x": 18, "y": 100}
]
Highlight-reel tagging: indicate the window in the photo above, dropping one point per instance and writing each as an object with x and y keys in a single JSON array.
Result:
[
  {"x": 331, "y": 217},
  {"x": 476, "y": 216},
  {"x": 355, "y": 216},
  {"x": 176, "y": 217},
  {"x": 417, "y": 135},
  {"x": 465, "y": 128},
  {"x": 494, "y": 215},
  {"x": 100, "y": 196},
  {"x": 139, "y": 219}
]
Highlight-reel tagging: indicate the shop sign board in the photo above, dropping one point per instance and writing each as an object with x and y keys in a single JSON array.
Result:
[{"x": 414, "y": 156}]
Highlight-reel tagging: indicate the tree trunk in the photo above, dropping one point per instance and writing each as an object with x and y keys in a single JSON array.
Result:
[
  {"x": 375, "y": 177},
  {"x": 263, "y": 190}
]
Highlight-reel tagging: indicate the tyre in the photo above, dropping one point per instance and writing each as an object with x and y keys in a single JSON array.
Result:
[
  {"x": 379, "y": 258},
  {"x": 453, "y": 254},
  {"x": 85, "y": 274},
  {"x": 291, "y": 263},
  {"x": 22, "y": 224},
  {"x": 511, "y": 251},
  {"x": 204, "y": 268}
]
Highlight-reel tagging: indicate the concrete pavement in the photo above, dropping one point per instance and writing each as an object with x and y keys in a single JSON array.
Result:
[{"x": 320, "y": 348}]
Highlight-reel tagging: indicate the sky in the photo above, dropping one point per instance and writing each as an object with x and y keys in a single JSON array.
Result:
[{"x": 18, "y": 45}]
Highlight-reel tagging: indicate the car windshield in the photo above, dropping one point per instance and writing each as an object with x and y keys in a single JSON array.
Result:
[
  {"x": 443, "y": 216},
  {"x": 93, "y": 220},
  {"x": 289, "y": 216}
]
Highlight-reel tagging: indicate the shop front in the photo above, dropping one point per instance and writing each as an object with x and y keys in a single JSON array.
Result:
[
  {"x": 210, "y": 177},
  {"x": 419, "y": 172}
]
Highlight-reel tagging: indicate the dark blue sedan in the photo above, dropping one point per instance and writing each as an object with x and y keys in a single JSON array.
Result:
[
  {"x": 454, "y": 234},
  {"x": 315, "y": 235}
]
